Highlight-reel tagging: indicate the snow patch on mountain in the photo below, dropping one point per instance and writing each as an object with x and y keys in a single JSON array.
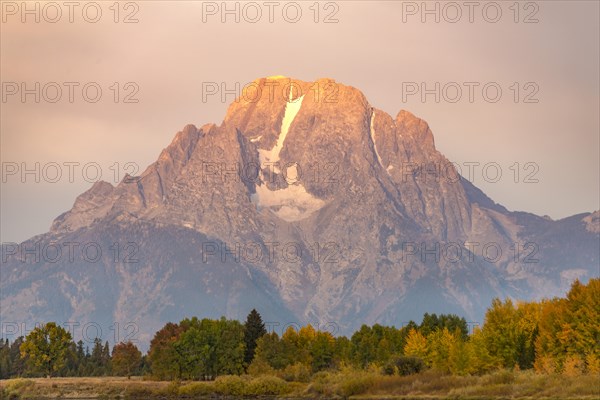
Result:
[
  {"x": 372, "y": 130},
  {"x": 290, "y": 204},
  {"x": 292, "y": 108}
]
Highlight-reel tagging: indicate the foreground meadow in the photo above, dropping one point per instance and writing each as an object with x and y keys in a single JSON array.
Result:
[{"x": 348, "y": 384}]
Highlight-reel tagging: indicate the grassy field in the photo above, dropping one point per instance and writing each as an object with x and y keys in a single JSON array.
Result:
[
  {"x": 356, "y": 384},
  {"x": 101, "y": 387}
]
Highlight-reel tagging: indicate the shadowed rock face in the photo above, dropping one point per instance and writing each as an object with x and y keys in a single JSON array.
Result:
[{"x": 307, "y": 204}]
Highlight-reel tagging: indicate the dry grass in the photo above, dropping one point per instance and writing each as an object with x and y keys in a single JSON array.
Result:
[
  {"x": 496, "y": 385},
  {"x": 349, "y": 383},
  {"x": 92, "y": 387}
]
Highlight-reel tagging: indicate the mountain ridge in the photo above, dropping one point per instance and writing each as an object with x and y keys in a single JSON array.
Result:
[{"x": 374, "y": 229}]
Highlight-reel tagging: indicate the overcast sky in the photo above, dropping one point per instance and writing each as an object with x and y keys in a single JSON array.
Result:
[{"x": 546, "y": 118}]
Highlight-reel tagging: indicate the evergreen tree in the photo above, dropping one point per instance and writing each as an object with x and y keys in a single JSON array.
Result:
[
  {"x": 81, "y": 358},
  {"x": 18, "y": 363},
  {"x": 322, "y": 350},
  {"x": 106, "y": 359},
  {"x": 5, "y": 362},
  {"x": 96, "y": 358},
  {"x": 433, "y": 322},
  {"x": 99, "y": 359},
  {"x": 364, "y": 346},
  {"x": 72, "y": 363},
  {"x": 254, "y": 329}
]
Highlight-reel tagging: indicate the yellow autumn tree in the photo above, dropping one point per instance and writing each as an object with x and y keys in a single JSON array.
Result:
[
  {"x": 439, "y": 344},
  {"x": 481, "y": 360},
  {"x": 573, "y": 366},
  {"x": 416, "y": 344},
  {"x": 462, "y": 356},
  {"x": 569, "y": 330},
  {"x": 510, "y": 332},
  {"x": 592, "y": 364}
]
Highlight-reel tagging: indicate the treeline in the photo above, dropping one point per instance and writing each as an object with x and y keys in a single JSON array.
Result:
[
  {"x": 49, "y": 351},
  {"x": 551, "y": 336}
]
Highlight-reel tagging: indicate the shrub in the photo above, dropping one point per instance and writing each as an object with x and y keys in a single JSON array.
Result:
[
  {"x": 405, "y": 366},
  {"x": 320, "y": 385},
  {"x": 260, "y": 367},
  {"x": 322, "y": 377},
  {"x": 15, "y": 388},
  {"x": 266, "y": 385},
  {"x": 138, "y": 392},
  {"x": 356, "y": 383},
  {"x": 170, "y": 391},
  {"x": 502, "y": 377},
  {"x": 4, "y": 394},
  {"x": 18, "y": 384},
  {"x": 297, "y": 372},
  {"x": 230, "y": 385},
  {"x": 195, "y": 389}
]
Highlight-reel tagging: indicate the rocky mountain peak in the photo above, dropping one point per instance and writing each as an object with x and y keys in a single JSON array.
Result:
[
  {"x": 363, "y": 200},
  {"x": 416, "y": 128},
  {"x": 592, "y": 222}
]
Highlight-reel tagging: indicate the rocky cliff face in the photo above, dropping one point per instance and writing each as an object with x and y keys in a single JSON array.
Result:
[{"x": 306, "y": 203}]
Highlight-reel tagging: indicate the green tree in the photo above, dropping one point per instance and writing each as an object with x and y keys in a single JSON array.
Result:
[
  {"x": 230, "y": 349},
  {"x": 429, "y": 324},
  {"x": 254, "y": 329},
  {"x": 193, "y": 349},
  {"x": 377, "y": 344},
  {"x": 452, "y": 322},
  {"x": 364, "y": 346},
  {"x": 126, "y": 359},
  {"x": 106, "y": 359},
  {"x": 100, "y": 358},
  {"x": 5, "y": 362},
  {"x": 343, "y": 350},
  {"x": 210, "y": 348},
  {"x": 18, "y": 364},
  {"x": 271, "y": 349},
  {"x": 322, "y": 350},
  {"x": 81, "y": 358},
  {"x": 47, "y": 348},
  {"x": 72, "y": 363}
]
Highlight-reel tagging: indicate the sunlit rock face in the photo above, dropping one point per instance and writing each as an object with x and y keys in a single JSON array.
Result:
[{"x": 308, "y": 204}]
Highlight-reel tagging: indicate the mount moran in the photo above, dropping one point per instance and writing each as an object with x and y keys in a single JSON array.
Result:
[{"x": 307, "y": 204}]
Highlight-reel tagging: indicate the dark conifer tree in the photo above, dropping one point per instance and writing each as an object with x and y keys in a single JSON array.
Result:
[{"x": 254, "y": 330}]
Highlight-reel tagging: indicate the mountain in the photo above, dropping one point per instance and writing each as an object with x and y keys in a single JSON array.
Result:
[{"x": 306, "y": 203}]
